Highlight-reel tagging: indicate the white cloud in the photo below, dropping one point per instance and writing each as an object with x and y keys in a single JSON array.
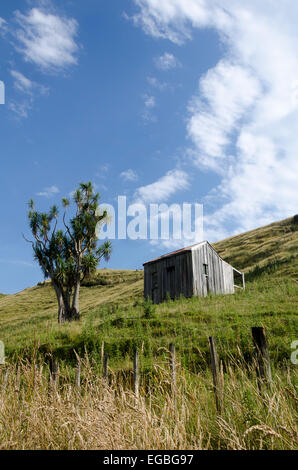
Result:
[
  {"x": 46, "y": 40},
  {"x": 162, "y": 189},
  {"x": 21, "y": 109},
  {"x": 49, "y": 192},
  {"x": 161, "y": 85},
  {"x": 102, "y": 171},
  {"x": 21, "y": 82},
  {"x": 3, "y": 27},
  {"x": 149, "y": 101},
  {"x": 225, "y": 95},
  {"x": 243, "y": 118},
  {"x": 129, "y": 175},
  {"x": 149, "y": 105},
  {"x": 166, "y": 61},
  {"x": 29, "y": 88}
]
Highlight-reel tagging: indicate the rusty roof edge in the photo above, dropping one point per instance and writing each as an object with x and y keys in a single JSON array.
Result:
[
  {"x": 190, "y": 248},
  {"x": 177, "y": 252}
]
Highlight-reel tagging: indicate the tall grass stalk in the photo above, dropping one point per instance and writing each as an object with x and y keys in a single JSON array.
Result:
[{"x": 105, "y": 414}]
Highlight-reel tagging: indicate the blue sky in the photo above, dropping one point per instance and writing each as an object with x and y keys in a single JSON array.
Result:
[{"x": 192, "y": 100}]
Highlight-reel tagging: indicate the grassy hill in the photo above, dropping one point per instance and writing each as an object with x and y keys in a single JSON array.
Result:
[
  {"x": 273, "y": 248},
  {"x": 113, "y": 310}
]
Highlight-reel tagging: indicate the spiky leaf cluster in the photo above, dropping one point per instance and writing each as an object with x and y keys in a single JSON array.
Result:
[{"x": 68, "y": 256}]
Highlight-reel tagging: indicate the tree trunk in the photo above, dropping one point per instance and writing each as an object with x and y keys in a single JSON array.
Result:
[
  {"x": 75, "y": 302},
  {"x": 61, "y": 306},
  {"x": 67, "y": 307},
  {"x": 67, "y": 310}
]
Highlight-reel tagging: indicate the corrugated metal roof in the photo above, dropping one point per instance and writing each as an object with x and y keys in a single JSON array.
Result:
[{"x": 173, "y": 253}]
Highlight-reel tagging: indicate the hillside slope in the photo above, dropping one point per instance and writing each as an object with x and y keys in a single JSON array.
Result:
[
  {"x": 275, "y": 245},
  {"x": 113, "y": 310}
]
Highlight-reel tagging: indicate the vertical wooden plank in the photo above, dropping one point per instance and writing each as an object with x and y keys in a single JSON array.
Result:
[
  {"x": 220, "y": 275},
  {"x": 211, "y": 270},
  {"x": 215, "y": 373},
  {"x": 173, "y": 366},
  {"x": 105, "y": 366},
  {"x": 160, "y": 280},
  {"x": 145, "y": 282},
  {"x": 18, "y": 379},
  {"x": 200, "y": 272},
  {"x": 262, "y": 354},
  {"x": 195, "y": 271},
  {"x": 136, "y": 377}
]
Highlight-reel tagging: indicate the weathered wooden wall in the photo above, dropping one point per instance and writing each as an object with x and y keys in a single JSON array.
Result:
[
  {"x": 228, "y": 274},
  {"x": 220, "y": 274},
  {"x": 171, "y": 275},
  {"x": 183, "y": 273}
]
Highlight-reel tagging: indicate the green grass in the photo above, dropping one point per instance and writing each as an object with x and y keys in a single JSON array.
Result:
[
  {"x": 104, "y": 414},
  {"x": 113, "y": 311}
]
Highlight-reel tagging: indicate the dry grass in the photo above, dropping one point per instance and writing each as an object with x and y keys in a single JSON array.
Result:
[
  {"x": 274, "y": 242},
  {"x": 36, "y": 414}
]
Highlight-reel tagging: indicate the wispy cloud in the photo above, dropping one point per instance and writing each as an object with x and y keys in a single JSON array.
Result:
[
  {"x": 21, "y": 82},
  {"x": 17, "y": 262},
  {"x": 20, "y": 109},
  {"x": 4, "y": 29},
  {"x": 49, "y": 192},
  {"x": 166, "y": 61},
  {"x": 25, "y": 86},
  {"x": 46, "y": 39},
  {"x": 243, "y": 119},
  {"x": 162, "y": 189},
  {"x": 149, "y": 101},
  {"x": 102, "y": 171},
  {"x": 3, "y": 23},
  {"x": 129, "y": 175},
  {"x": 149, "y": 105},
  {"x": 154, "y": 82}
]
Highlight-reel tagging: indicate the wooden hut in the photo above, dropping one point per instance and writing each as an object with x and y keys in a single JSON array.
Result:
[{"x": 195, "y": 270}]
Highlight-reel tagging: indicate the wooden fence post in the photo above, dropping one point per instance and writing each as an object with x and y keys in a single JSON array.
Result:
[
  {"x": 105, "y": 366},
  {"x": 53, "y": 370},
  {"x": 78, "y": 373},
  {"x": 215, "y": 373},
  {"x": 18, "y": 379},
  {"x": 5, "y": 379},
  {"x": 136, "y": 378},
  {"x": 173, "y": 366},
  {"x": 262, "y": 354},
  {"x": 102, "y": 352}
]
